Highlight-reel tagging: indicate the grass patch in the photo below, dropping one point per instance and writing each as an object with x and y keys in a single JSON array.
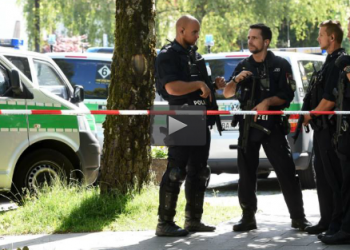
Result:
[{"x": 65, "y": 209}]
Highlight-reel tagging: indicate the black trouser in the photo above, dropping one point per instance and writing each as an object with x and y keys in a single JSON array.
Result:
[
  {"x": 279, "y": 154},
  {"x": 344, "y": 156},
  {"x": 328, "y": 179},
  {"x": 188, "y": 162}
]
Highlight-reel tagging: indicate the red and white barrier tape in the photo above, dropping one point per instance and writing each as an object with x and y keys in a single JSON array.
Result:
[{"x": 167, "y": 112}]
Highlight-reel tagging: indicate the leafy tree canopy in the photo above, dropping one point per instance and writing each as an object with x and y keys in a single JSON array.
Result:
[
  {"x": 228, "y": 20},
  {"x": 79, "y": 17}
]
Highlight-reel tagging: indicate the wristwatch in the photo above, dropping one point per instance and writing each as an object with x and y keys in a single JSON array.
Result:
[
  {"x": 234, "y": 79},
  {"x": 347, "y": 69}
]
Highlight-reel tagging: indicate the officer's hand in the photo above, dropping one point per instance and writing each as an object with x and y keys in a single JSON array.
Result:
[
  {"x": 220, "y": 82},
  {"x": 348, "y": 76},
  {"x": 307, "y": 119},
  {"x": 261, "y": 106},
  {"x": 243, "y": 75},
  {"x": 205, "y": 91}
]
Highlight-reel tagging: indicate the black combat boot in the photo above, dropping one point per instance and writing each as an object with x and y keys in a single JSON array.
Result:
[
  {"x": 340, "y": 238},
  {"x": 247, "y": 223},
  {"x": 300, "y": 224},
  {"x": 194, "y": 224},
  {"x": 170, "y": 229},
  {"x": 168, "y": 194},
  {"x": 316, "y": 229}
]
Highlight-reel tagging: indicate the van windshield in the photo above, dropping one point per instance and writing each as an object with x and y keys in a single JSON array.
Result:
[{"x": 94, "y": 75}]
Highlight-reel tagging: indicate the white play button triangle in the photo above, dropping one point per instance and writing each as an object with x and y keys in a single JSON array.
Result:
[{"x": 175, "y": 125}]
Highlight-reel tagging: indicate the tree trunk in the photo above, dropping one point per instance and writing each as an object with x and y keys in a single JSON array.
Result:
[
  {"x": 37, "y": 25},
  {"x": 126, "y": 153}
]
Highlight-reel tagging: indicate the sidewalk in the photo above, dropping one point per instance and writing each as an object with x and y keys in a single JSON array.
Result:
[{"x": 274, "y": 232}]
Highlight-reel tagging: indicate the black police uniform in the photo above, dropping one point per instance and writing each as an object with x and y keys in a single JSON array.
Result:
[
  {"x": 326, "y": 163},
  {"x": 343, "y": 150},
  {"x": 184, "y": 162},
  {"x": 276, "y": 79}
]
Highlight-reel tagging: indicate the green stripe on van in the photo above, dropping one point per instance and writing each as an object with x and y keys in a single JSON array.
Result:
[
  {"x": 36, "y": 121},
  {"x": 12, "y": 121},
  {"x": 294, "y": 106},
  {"x": 53, "y": 121}
]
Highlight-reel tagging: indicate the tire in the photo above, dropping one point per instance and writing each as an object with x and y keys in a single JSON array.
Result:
[
  {"x": 39, "y": 167},
  {"x": 264, "y": 175},
  {"x": 307, "y": 177}
]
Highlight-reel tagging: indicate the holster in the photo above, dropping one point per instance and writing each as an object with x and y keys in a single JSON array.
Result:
[
  {"x": 316, "y": 124},
  {"x": 285, "y": 125}
]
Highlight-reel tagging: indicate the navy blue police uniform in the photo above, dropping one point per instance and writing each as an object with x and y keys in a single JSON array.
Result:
[
  {"x": 342, "y": 139},
  {"x": 184, "y": 162},
  {"x": 275, "y": 79},
  {"x": 326, "y": 162}
]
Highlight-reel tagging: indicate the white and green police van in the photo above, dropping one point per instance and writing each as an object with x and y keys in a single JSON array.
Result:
[
  {"x": 92, "y": 70},
  {"x": 35, "y": 148}
]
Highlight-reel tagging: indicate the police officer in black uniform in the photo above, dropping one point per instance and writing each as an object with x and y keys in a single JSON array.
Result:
[
  {"x": 274, "y": 91},
  {"x": 326, "y": 162},
  {"x": 174, "y": 82},
  {"x": 342, "y": 138}
]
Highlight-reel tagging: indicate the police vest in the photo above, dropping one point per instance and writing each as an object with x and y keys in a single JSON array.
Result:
[{"x": 194, "y": 74}]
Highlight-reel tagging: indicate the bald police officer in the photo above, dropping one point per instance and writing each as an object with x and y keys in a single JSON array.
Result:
[{"x": 176, "y": 84}]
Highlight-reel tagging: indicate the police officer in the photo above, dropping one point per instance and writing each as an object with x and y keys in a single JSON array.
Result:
[
  {"x": 343, "y": 149},
  {"x": 326, "y": 163},
  {"x": 174, "y": 82},
  {"x": 274, "y": 91}
]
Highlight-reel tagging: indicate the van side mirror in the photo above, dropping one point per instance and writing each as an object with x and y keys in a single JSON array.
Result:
[
  {"x": 16, "y": 84},
  {"x": 78, "y": 94}
]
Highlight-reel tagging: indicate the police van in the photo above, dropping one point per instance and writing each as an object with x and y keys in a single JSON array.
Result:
[
  {"x": 92, "y": 70},
  {"x": 35, "y": 148}
]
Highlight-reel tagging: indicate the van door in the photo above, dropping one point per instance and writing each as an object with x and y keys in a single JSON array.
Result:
[{"x": 13, "y": 129}]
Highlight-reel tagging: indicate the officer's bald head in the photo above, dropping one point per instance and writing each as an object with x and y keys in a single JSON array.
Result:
[
  {"x": 187, "y": 30},
  {"x": 184, "y": 21}
]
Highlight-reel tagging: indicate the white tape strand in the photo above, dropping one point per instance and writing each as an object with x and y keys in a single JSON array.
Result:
[{"x": 171, "y": 112}]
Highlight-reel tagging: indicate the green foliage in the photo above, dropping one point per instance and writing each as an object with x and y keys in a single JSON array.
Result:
[
  {"x": 79, "y": 17},
  {"x": 73, "y": 208},
  {"x": 160, "y": 152},
  {"x": 228, "y": 20}
]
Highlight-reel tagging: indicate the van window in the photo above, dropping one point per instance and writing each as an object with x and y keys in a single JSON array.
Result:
[
  {"x": 49, "y": 79},
  {"x": 94, "y": 75},
  {"x": 222, "y": 67},
  {"x": 4, "y": 83},
  {"x": 306, "y": 69},
  {"x": 22, "y": 64}
]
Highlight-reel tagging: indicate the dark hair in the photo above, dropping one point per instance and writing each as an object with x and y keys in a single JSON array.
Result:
[
  {"x": 333, "y": 27},
  {"x": 266, "y": 32}
]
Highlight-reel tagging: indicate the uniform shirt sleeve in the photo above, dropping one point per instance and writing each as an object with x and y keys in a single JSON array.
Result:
[
  {"x": 167, "y": 67},
  {"x": 286, "y": 83},
  {"x": 237, "y": 70},
  {"x": 331, "y": 82}
]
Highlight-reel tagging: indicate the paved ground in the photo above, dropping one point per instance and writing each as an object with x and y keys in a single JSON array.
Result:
[{"x": 274, "y": 230}]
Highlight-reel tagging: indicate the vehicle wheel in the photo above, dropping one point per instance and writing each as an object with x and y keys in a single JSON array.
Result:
[
  {"x": 41, "y": 166},
  {"x": 264, "y": 175},
  {"x": 307, "y": 177}
]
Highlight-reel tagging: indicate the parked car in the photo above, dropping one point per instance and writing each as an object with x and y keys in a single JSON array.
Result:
[
  {"x": 100, "y": 50},
  {"x": 86, "y": 70},
  {"x": 36, "y": 147}
]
